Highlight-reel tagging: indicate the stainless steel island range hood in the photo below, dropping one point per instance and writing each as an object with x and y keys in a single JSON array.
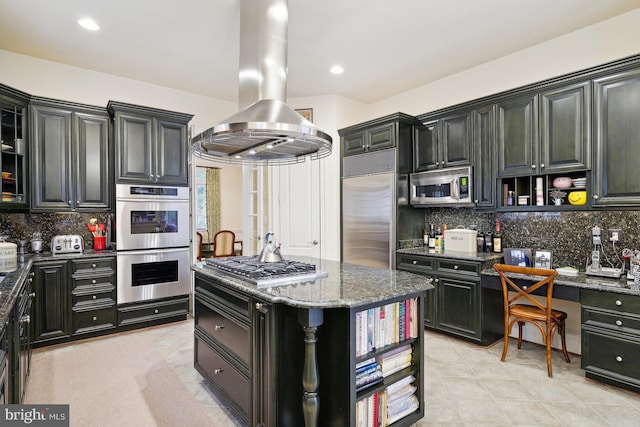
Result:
[{"x": 265, "y": 130}]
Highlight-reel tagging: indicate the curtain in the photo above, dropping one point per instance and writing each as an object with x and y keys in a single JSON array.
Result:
[{"x": 213, "y": 201}]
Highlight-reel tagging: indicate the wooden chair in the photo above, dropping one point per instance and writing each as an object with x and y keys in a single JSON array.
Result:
[
  {"x": 199, "y": 236},
  {"x": 223, "y": 243},
  {"x": 544, "y": 317}
]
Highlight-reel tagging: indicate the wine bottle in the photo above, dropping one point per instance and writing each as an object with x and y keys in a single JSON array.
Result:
[
  {"x": 425, "y": 236},
  {"x": 432, "y": 238},
  {"x": 497, "y": 238},
  {"x": 444, "y": 230},
  {"x": 438, "y": 240}
]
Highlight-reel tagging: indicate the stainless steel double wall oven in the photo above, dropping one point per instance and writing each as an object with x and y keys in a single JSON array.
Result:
[{"x": 152, "y": 236}]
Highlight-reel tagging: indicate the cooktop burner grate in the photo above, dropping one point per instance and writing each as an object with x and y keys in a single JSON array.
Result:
[{"x": 266, "y": 273}]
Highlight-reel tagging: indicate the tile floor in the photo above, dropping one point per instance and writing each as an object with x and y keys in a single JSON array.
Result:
[{"x": 465, "y": 385}]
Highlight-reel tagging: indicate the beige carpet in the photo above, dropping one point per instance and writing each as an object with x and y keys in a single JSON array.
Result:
[{"x": 119, "y": 380}]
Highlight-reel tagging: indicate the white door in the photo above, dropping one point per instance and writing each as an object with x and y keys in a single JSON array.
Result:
[{"x": 296, "y": 208}]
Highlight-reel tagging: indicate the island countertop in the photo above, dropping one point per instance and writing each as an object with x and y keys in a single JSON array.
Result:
[{"x": 347, "y": 285}]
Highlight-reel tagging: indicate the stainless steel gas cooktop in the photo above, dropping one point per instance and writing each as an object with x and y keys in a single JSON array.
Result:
[{"x": 266, "y": 274}]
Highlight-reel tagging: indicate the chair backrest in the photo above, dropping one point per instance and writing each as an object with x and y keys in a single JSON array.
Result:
[
  {"x": 199, "y": 236},
  {"x": 223, "y": 243},
  {"x": 524, "y": 292}
]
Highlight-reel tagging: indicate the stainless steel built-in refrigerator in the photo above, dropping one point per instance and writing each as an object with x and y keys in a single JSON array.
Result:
[{"x": 374, "y": 199}]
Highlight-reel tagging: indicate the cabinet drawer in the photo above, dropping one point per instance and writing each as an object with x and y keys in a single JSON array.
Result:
[
  {"x": 229, "y": 298},
  {"x": 150, "y": 311},
  {"x": 416, "y": 263},
  {"x": 224, "y": 329},
  {"x": 93, "y": 265},
  {"x": 604, "y": 353},
  {"x": 84, "y": 297},
  {"x": 85, "y": 321},
  {"x": 459, "y": 267},
  {"x": 95, "y": 280},
  {"x": 610, "y": 301},
  {"x": 224, "y": 376},
  {"x": 613, "y": 320}
]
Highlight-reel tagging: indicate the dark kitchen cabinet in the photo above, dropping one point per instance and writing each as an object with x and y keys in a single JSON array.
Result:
[
  {"x": 151, "y": 145},
  {"x": 93, "y": 295},
  {"x": 70, "y": 158},
  {"x": 517, "y": 138},
  {"x": 51, "y": 301},
  {"x": 484, "y": 142},
  {"x": 375, "y": 138},
  {"x": 4, "y": 368},
  {"x": 616, "y": 131},
  {"x": 445, "y": 142},
  {"x": 14, "y": 138},
  {"x": 459, "y": 307},
  {"x": 19, "y": 338},
  {"x": 610, "y": 331}
]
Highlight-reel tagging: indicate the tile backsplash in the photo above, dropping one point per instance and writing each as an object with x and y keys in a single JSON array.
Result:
[
  {"x": 21, "y": 226},
  {"x": 567, "y": 233}
]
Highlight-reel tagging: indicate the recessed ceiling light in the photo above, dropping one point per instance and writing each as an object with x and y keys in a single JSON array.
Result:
[
  {"x": 89, "y": 24},
  {"x": 337, "y": 69}
]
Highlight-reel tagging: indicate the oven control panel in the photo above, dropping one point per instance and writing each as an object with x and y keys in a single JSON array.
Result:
[{"x": 67, "y": 244}]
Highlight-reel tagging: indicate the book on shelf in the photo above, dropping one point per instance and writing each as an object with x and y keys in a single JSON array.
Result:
[{"x": 395, "y": 360}]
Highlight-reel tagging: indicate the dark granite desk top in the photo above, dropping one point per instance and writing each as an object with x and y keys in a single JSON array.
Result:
[
  {"x": 347, "y": 285},
  {"x": 11, "y": 282},
  {"x": 571, "y": 285},
  {"x": 469, "y": 256}
]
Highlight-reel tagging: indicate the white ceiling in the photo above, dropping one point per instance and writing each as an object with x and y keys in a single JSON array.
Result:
[{"x": 386, "y": 46}]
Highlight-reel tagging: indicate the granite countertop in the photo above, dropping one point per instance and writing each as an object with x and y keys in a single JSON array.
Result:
[
  {"x": 582, "y": 281},
  {"x": 11, "y": 282},
  {"x": 347, "y": 285},
  {"x": 469, "y": 256}
]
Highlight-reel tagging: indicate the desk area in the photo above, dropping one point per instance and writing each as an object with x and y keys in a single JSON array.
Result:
[{"x": 610, "y": 323}]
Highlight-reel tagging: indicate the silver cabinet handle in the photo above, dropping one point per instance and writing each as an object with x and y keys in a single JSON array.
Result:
[
  {"x": 94, "y": 297},
  {"x": 93, "y": 265},
  {"x": 218, "y": 371},
  {"x": 95, "y": 318},
  {"x": 541, "y": 165},
  {"x": 619, "y": 358},
  {"x": 533, "y": 166},
  {"x": 595, "y": 197},
  {"x": 315, "y": 242},
  {"x": 156, "y": 311},
  {"x": 524, "y": 288},
  {"x": 618, "y": 302},
  {"x": 414, "y": 262},
  {"x": 32, "y": 294},
  {"x": 218, "y": 327},
  {"x": 455, "y": 267},
  {"x": 262, "y": 308},
  {"x": 93, "y": 281},
  {"x": 619, "y": 322}
]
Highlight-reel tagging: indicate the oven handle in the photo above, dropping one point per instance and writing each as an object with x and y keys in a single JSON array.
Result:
[{"x": 152, "y": 251}]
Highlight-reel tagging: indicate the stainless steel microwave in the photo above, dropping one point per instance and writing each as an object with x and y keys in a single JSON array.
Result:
[{"x": 442, "y": 187}]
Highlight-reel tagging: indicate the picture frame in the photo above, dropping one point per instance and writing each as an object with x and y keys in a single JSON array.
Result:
[
  {"x": 518, "y": 256},
  {"x": 307, "y": 113},
  {"x": 543, "y": 259}
]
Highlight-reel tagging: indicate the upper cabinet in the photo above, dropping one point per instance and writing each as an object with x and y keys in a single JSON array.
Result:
[
  {"x": 444, "y": 142},
  {"x": 484, "y": 135},
  {"x": 151, "y": 145},
  {"x": 14, "y": 138},
  {"x": 70, "y": 157},
  {"x": 375, "y": 138},
  {"x": 545, "y": 132},
  {"x": 616, "y": 134}
]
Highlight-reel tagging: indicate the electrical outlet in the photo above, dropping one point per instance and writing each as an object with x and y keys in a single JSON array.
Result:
[{"x": 615, "y": 235}]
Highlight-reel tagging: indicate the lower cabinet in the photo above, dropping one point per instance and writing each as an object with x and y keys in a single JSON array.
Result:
[
  {"x": 457, "y": 305},
  {"x": 18, "y": 346},
  {"x": 611, "y": 338},
  {"x": 4, "y": 371},
  {"x": 254, "y": 354}
]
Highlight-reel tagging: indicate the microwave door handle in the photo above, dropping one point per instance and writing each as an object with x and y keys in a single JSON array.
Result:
[{"x": 456, "y": 190}]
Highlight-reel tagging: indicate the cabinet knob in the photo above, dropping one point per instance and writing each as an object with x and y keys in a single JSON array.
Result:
[
  {"x": 455, "y": 267},
  {"x": 533, "y": 166},
  {"x": 541, "y": 165},
  {"x": 69, "y": 201},
  {"x": 414, "y": 262},
  {"x": 95, "y": 318},
  {"x": 524, "y": 288},
  {"x": 618, "y": 358},
  {"x": 93, "y": 266},
  {"x": 262, "y": 308},
  {"x": 218, "y": 327},
  {"x": 218, "y": 371},
  {"x": 156, "y": 311},
  {"x": 32, "y": 274},
  {"x": 437, "y": 280},
  {"x": 32, "y": 294},
  {"x": 595, "y": 197},
  {"x": 618, "y": 302},
  {"x": 619, "y": 322},
  {"x": 93, "y": 281},
  {"x": 94, "y": 297}
]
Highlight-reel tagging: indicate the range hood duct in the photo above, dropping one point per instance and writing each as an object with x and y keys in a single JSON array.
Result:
[{"x": 266, "y": 131}]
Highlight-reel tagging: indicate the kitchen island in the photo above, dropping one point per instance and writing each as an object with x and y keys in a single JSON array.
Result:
[{"x": 287, "y": 355}]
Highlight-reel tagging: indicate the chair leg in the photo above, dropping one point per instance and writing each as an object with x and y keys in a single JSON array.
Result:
[
  {"x": 520, "y": 325},
  {"x": 549, "y": 357},
  {"x": 505, "y": 346},
  {"x": 561, "y": 330}
]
